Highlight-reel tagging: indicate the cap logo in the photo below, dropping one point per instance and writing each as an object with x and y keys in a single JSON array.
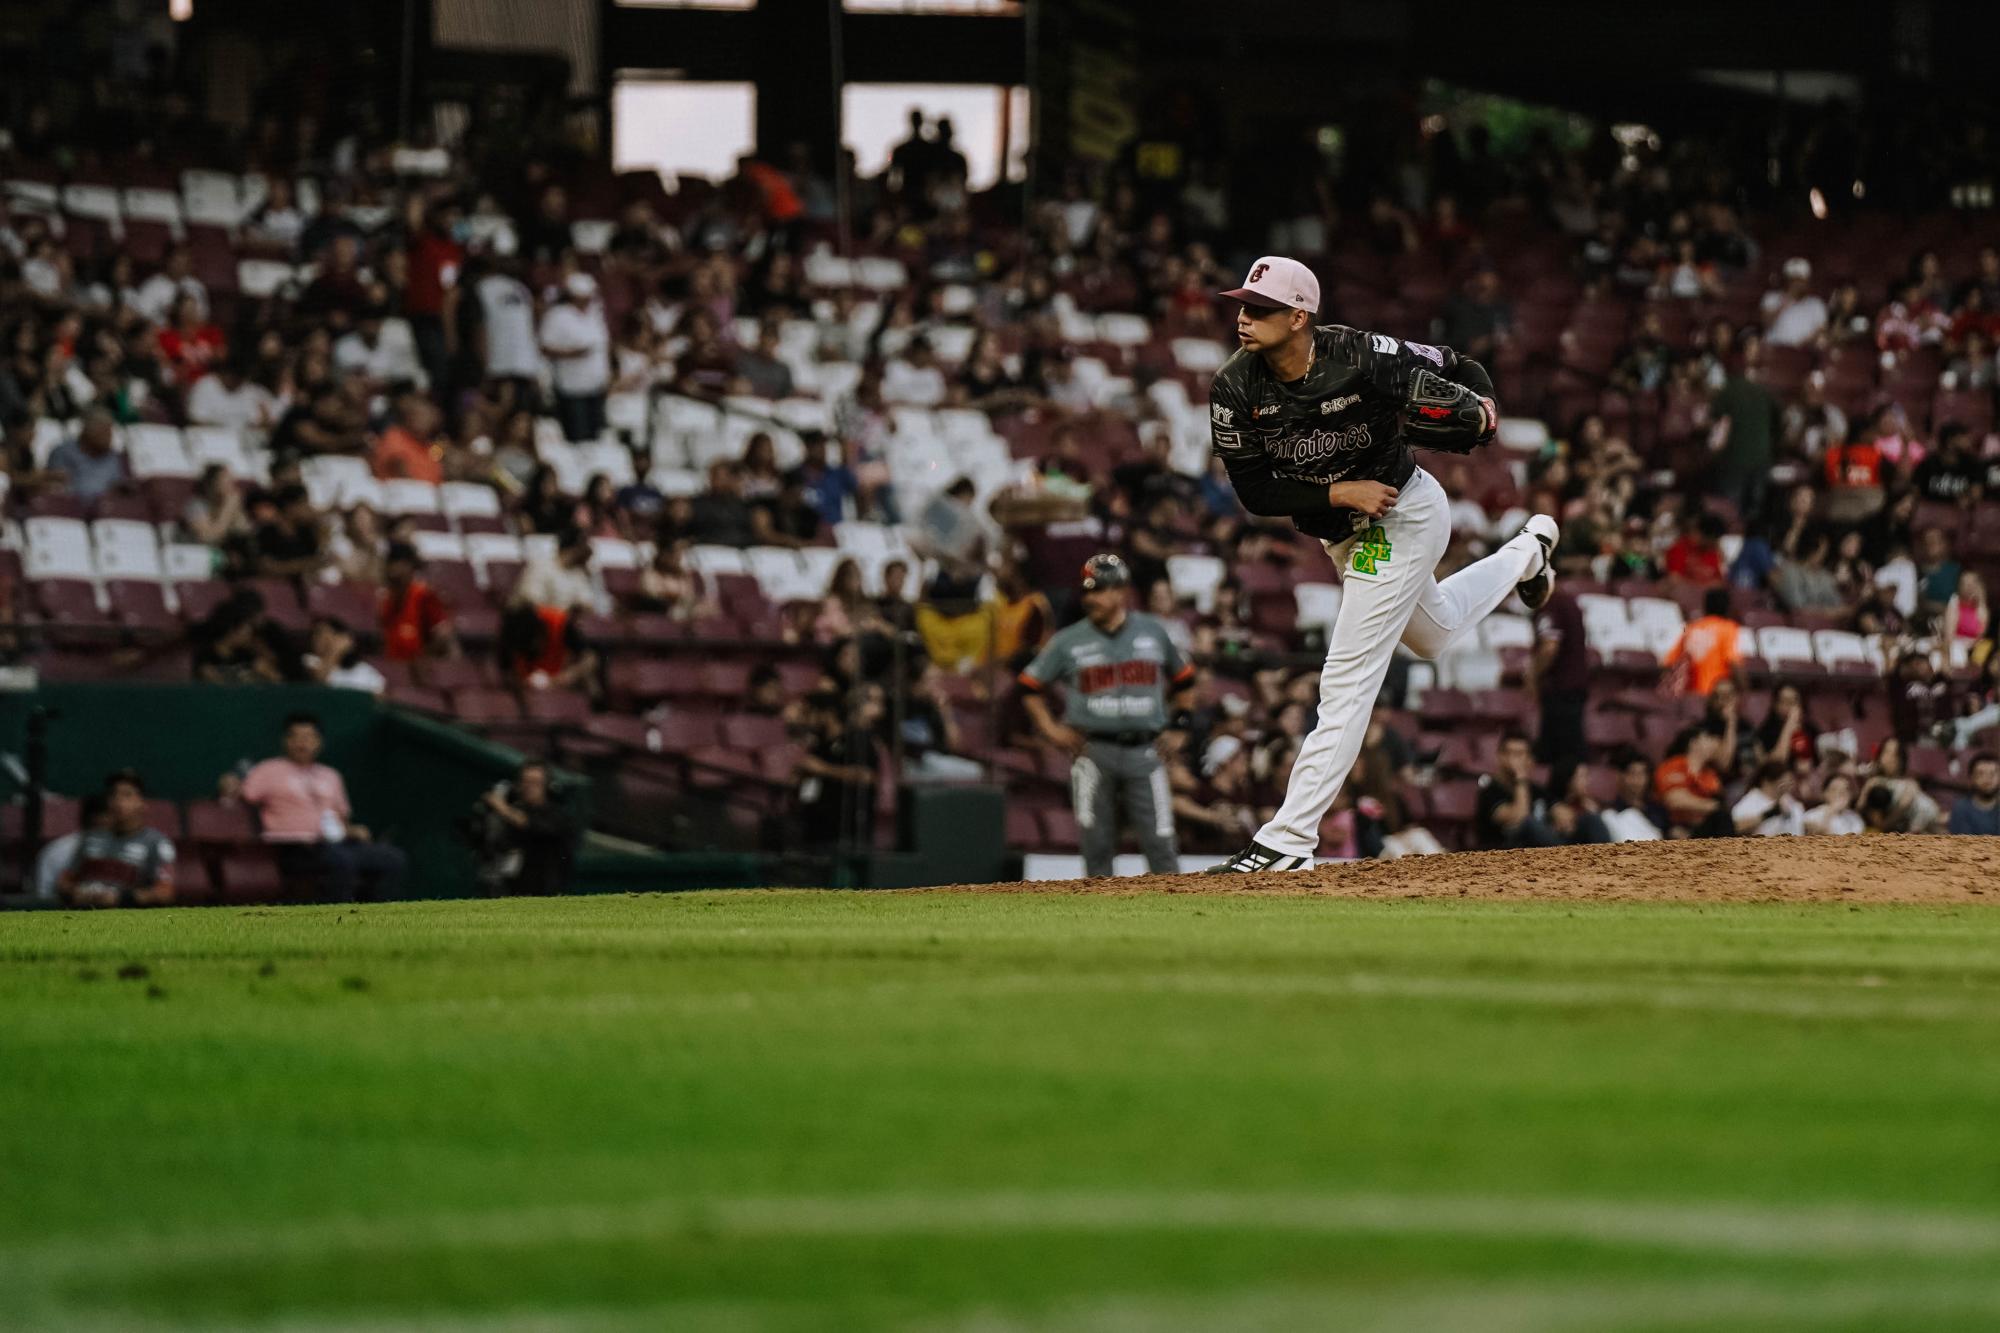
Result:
[{"x": 1258, "y": 272}]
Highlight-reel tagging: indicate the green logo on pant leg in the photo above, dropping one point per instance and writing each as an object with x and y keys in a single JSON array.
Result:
[{"x": 1373, "y": 550}]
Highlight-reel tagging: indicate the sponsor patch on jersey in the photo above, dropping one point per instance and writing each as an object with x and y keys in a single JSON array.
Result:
[
  {"x": 1221, "y": 415},
  {"x": 1332, "y": 405},
  {"x": 1382, "y": 342},
  {"x": 1428, "y": 353}
]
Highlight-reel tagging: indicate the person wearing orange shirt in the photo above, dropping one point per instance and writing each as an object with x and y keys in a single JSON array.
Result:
[
  {"x": 1690, "y": 788},
  {"x": 1709, "y": 648},
  {"x": 409, "y": 448}
]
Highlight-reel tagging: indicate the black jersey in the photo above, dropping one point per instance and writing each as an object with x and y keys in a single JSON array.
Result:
[{"x": 1284, "y": 444}]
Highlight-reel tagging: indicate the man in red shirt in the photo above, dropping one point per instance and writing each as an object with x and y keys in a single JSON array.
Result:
[
  {"x": 1697, "y": 557},
  {"x": 431, "y": 297},
  {"x": 415, "y": 621}
]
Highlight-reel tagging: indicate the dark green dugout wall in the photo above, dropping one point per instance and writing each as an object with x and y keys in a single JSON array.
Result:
[{"x": 409, "y": 777}]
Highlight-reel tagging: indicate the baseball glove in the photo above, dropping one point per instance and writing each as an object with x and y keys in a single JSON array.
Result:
[{"x": 1444, "y": 415}]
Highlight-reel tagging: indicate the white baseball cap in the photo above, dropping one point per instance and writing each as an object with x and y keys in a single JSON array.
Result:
[
  {"x": 1276, "y": 282},
  {"x": 580, "y": 286}
]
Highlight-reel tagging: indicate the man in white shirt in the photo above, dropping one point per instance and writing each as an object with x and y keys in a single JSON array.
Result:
[
  {"x": 1768, "y": 809},
  {"x": 382, "y": 350},
  {"x": 563, "y": 582},
  {"x": 229, "y": 398},
  {"x": 578, "y": 345},
  {"x": 1793, "y": 317},
  {"x": 914, "y": 377},
  {"x": 507, "y": 325},
  {"x": 158, "y": 293}
]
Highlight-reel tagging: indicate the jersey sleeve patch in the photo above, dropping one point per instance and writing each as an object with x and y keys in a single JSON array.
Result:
[
  {"x": 1428, "y": 353},
  {"x": 1382, "y": 342}
]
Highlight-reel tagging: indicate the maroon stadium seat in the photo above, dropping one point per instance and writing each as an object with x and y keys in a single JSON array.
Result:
[
  {"x": 193, "y": 885},
  {"x": 357, "y": 605},
  {"x": 251, "y": 875},
  {"x": 199, "y": 600},
  {"x": 750, "y": 732},
  {"x": 220, "y": 824},
  {"x": 557, "y": 707},
  {"x": 481, "y": 705},
  {"x": 140, "y": 603}
]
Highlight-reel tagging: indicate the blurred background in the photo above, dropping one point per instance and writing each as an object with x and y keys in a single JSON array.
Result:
[{"x": 719, "y": 399}]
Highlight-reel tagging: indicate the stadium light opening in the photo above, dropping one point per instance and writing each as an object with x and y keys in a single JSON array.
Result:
[
  {"x": 1818, "y": 202},
  {"x": 1860, "y": 190},
  {"x": 180, "y": 11}
]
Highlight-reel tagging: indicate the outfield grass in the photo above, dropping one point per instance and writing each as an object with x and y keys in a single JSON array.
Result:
[{"x": 948, "y": 1111}]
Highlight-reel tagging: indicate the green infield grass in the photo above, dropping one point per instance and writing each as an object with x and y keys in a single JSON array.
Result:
[{"x": 948, "y": 1111}]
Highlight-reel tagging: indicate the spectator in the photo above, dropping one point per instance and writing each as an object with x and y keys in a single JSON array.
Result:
[
  {"x": 543, "y": 648},
  {"x": 1979, "y": 812},
  {"x": 577, "y": 342},
  {"x": 1736, "y": 747},
  {"x": 303, "y": 806},
  {"x": 535, "y": 837},
  {"x": 1480, "y": 320},
  {"x": 415, "y": 621},
  {"x": 1785, "y": 735},
  {"x": 332, "y": 658},
  {"x": 290, "y": 544},
  {"x": 380, "y": 351},
  {"x": 788, "y": 518},
  {"x": 839, "y": 768},
  {"x": 1769, "y": 809},
  {"x": 58, "y": 854},
  {"x": 762, "y": 368},
  {"x": 1689, "y": 786},
  {"x": 1835, "y": 815},
  {"x": 508, "y": 349},
  {"x": 1696, "y": 558},
  {"x": 1804, "y": 583},
  {"x": 1982, "y": 710},
  {"x": 235, "y": 645},
  {"x": 1951, "y": 475},
  {"x": 90, "y": 463},
  {"x": 214, "y": 513},
  {"x": 430, "y": 299},
  {"x": 324, "y": 423},
  {"x": 189, "y": 343},
  {"x": 668, "y": 585},
  {"x": 1634, "y": 814},
  {"x": 1891, "y": 801},
  {"x": 175, "y": 279},
  {"x": 341, "y": 287},
  {"x": 277, "y": 222},
  {"x": 1708, "y": 649},
  {"x": 1559, "y": 675},
  {"x": 722, "y": 515},
  {"x": 1937, "y": 572},
  {"x": 230, "y": 398},
  {"x": 1514, "y": 812},
  {"x": 1793, "y": 316},
  {"x": 949, "y": 531},
  {"x": 120, "y": 862},
  {"x": 563, "y": 583},
  {"x": 846, "y": 610},
  {"x": 915, "y": 377},
  {"x": 1966, "y": 616},
  {"x": 1746, "y": 427},
  {"x": 412, "y": 448}
]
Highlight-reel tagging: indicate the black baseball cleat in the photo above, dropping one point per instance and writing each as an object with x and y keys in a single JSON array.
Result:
[
  {"x": 1534, "y": 590},
  {"x": 1257, "y": 858}
]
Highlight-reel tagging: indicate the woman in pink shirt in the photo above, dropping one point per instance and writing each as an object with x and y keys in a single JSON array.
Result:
[{"x": 306, "y": 818}]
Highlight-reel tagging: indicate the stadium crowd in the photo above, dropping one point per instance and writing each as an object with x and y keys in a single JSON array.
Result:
[{"x": 559, "y": 453}]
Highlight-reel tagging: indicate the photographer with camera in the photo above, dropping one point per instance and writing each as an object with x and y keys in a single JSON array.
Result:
[{"x": 524, "y": 838}]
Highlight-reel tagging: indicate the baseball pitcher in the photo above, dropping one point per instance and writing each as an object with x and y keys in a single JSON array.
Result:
[
  {"x": 1317, "y": 424},
  {"x": 1117, "y": 667}
]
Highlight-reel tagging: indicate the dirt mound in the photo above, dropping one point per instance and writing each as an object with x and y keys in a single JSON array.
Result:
[{"x": 1888, "y": 869}]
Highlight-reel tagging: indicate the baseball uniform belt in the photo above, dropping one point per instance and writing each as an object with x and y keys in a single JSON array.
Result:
[{"x": 1126, "y": 737}]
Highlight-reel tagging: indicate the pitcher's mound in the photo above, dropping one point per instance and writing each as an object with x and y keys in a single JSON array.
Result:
[{"x": 1933, "y": 870}]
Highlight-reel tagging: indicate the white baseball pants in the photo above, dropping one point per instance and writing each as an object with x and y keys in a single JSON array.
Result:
[{"x": 1387, "y": 597}]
